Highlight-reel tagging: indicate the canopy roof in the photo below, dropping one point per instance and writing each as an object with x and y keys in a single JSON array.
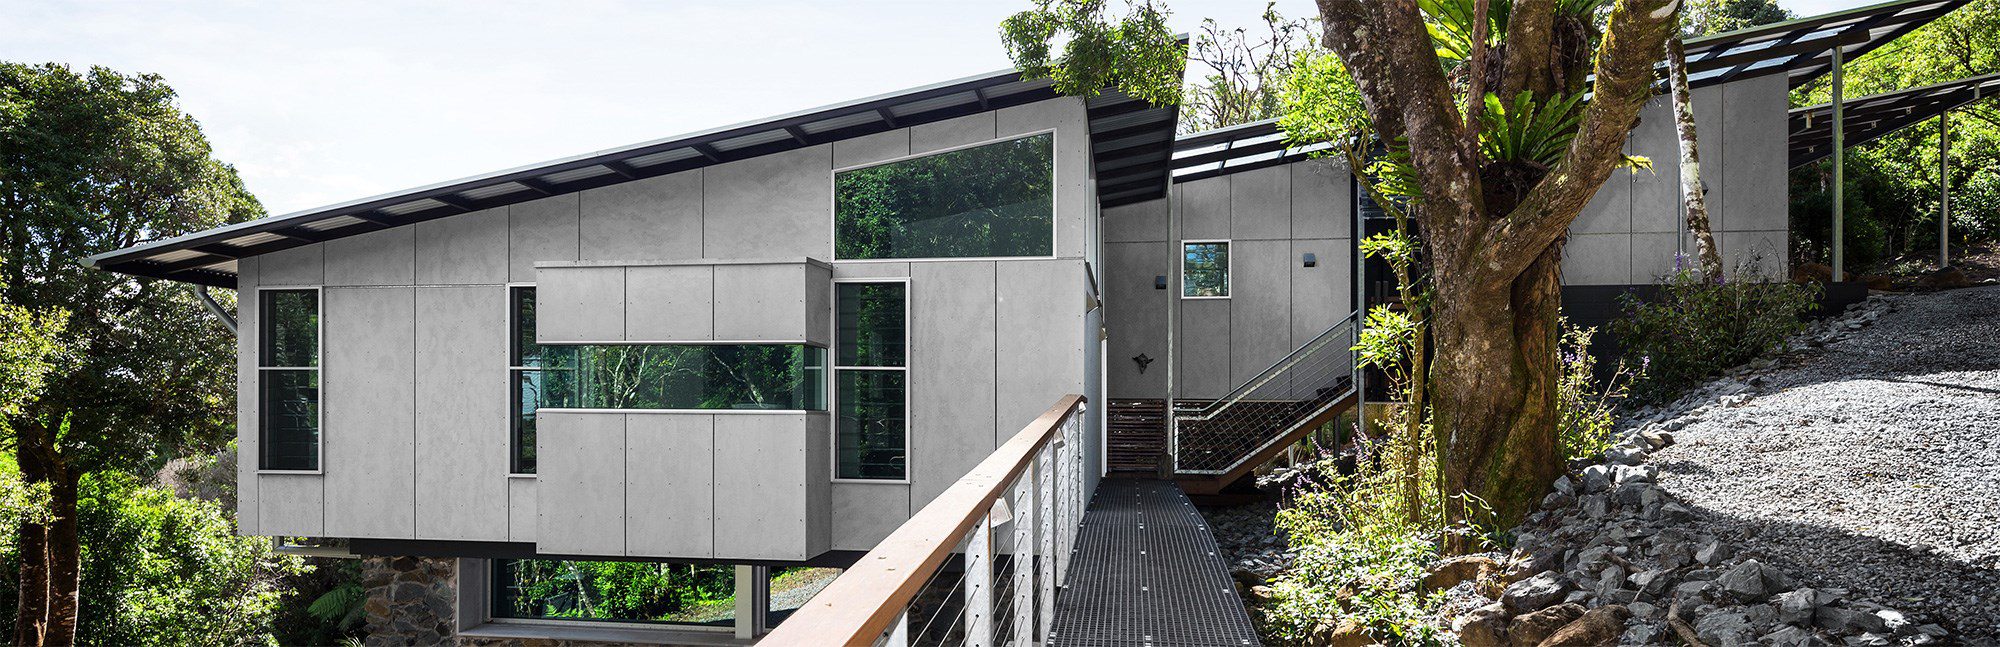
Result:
[
  {"x": 1871, "y": 117},
  {"x": 1800, "y": 49},
  {"x": 1131, "y": 141}
]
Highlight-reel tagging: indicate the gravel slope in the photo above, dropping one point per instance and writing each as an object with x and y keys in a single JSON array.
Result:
[{"x": 1871, "y": 464}]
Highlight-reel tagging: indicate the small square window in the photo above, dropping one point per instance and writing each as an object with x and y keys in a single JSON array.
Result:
[{"x": 1205, "y": 269}]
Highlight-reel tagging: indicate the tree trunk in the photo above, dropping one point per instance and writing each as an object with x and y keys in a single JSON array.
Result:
[
  {"x": 50, "y": 554},
  {"x": 64, "y": 562},
  {"x": 1494, "y": 394},
  {"x": 1691, "y": 191}
]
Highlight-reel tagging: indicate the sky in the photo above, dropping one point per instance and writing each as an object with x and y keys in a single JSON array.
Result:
[{"x": 328, "y": 101}]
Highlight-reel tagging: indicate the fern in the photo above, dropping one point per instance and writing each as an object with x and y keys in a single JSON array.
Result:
[
  {"x": 1529, "y": 131},
  {"x": 341, "y": 607}
]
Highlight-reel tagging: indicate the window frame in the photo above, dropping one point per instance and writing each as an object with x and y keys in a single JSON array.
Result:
[
  {"x": 489, "y": 581},
  {"x": 318, "y": 370},
  {"x": 1055, "y": 203},
  {"x": 513, "y": 392},
  {"x": 1228, "y": 269},
  {"x": 824, "y": 374},
  {"x": 834, "y": 367}
]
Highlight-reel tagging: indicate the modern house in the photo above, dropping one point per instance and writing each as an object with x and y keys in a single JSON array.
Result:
[{"x": 770, "y": 345}]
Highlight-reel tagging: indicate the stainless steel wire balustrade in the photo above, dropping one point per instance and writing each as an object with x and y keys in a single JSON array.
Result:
[
  {"x": 978, "y": 566},
  {"x": 1223, "y": 434}
]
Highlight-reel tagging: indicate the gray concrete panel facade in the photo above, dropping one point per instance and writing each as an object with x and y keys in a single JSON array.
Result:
[
  {"x": 368, "y": 391},
  {"x": 417, "y": 398}
]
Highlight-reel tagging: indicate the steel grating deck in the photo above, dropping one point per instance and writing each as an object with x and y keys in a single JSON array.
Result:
[{"x": 1147, "y": 573}]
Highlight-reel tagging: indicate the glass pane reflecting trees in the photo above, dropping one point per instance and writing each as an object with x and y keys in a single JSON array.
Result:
[
  {"x": 1205, "y": 270},
  {"x": 632, "y": 376},
  {"x": 992, "y": 200},
  {"x": 649, "y": 592}
]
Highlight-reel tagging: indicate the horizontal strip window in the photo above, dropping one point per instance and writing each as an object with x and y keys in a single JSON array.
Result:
[
  {"x": 991, "y": 200},
  {"x": 788, "y": 377},
  {"x": 288, "y": 402},
  {"x": 629, "y": 592}
]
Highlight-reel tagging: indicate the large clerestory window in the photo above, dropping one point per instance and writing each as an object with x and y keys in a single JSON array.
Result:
[
  {"x": 871, "y": 381},
  {"x": 288, "y": 380},
  {"x": 990, "y": 200},
  {"x": 683, "y": 376}
]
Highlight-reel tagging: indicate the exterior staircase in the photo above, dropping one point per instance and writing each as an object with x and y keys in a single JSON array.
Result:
[{"x": 1214, "y": 444}]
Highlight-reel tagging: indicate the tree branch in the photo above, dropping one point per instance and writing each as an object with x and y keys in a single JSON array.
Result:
[{"x": 1632, "y": 44}]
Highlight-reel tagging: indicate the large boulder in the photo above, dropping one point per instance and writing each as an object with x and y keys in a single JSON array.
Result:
[
  {"x": 1464, "y": 568},
  {"x": 1482, "y": 627},
  {"x": 1599, "y": 626},
  {"x": 1530, "y": 629},
  {"x": 1534, "y": 593}
]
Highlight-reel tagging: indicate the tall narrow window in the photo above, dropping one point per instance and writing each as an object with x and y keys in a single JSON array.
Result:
[
  {"x": 524, "y": 374},
  {"x": 288, "y": 379},
  {"x": 871, "y": 381},
  {"x": 1205, "y": 269}
]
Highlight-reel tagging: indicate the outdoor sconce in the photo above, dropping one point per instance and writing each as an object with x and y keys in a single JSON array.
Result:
[
  {"x": 1311, "y": 260},
  {"x": 1159, "y": 281}
]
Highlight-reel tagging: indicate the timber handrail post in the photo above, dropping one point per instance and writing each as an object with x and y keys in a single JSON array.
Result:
[{"x": 864, "y": 604}]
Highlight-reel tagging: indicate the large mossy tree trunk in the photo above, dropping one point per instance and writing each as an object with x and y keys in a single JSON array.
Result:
[{"x": 1493, "y": 236}]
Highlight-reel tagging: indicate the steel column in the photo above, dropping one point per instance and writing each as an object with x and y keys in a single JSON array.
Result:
[
  {"x": 1839, "y": 172},
  {"x": 1944, "y": 189}
]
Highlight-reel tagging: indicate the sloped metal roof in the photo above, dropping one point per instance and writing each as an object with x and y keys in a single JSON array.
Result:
[
  {"x": 1871, "y": 117},
  {"x": 1801, "y": 49},
  {"x": 1131, "y": 142}
]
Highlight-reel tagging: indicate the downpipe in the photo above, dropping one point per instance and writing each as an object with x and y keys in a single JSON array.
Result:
[{"x": 215, "y": 308}]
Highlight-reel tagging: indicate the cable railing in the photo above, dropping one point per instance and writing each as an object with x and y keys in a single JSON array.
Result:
[
  {"x": 1222, "y": 435},
  {"x": 978, "y": 566}
]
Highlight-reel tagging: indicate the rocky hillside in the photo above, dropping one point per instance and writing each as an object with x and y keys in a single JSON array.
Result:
[{"x": 1846, "y": 492}]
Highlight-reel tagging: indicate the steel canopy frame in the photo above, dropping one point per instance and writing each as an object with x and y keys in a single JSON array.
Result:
[
  {"x": 1872, "y": 117},
  {"x": 1131, "y": 142},
  {"x": 1802, "y": 49}
]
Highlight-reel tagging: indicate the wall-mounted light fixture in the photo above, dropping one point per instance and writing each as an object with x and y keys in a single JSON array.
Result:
[
  {"x": 1311, "y": 260},
  {"x": 1159, "y": 281}
]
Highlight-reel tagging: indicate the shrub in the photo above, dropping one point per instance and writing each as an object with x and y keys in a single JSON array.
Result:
[
  {"x": 1694, "y": 328},
  {"x": 1587, "y": 409}
]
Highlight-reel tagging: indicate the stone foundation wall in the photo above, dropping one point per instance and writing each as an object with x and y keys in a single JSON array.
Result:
[{"x": 410, "y": 600}]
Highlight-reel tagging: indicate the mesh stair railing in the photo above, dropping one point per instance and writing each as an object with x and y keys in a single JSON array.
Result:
[{"x": 1220, "y": 436}]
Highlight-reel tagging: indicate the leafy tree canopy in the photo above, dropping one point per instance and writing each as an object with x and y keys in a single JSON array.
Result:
[{"x": 93, "y": 161}]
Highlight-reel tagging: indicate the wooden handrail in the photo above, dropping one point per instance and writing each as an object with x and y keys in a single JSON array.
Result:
[{"x": 861, "y": 604}]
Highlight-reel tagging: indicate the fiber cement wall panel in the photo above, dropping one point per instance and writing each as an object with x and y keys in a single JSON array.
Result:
[{"x": 368, "y": 390}]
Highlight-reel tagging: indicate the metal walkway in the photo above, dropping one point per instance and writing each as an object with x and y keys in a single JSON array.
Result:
[{"x": 1147, "y": 573}]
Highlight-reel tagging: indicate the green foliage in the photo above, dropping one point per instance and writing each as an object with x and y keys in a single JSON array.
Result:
[
  {"x": 1693, "y": 329},
  {"x": 162, "y": 570},
  {"x": 91, "y": 162},
  {"x": 1320, "y": 101},
  {"x": 640, "y": 591},
  {"x": 31, "y": 347},
  {"x": 1585, "y": 405},
  {"x": 1897, "y": 174},
  {"x": 20, "y": 503},
  {"x": 1878, "y": 203},
  {"x": 1705, "y": 17},
  {"x": 992, "y": 200},
  {"x": 341, "y": 607},
  {"x": 1136, "y": 53},
  {"x": 1526, "y": 130},
  {"x": 1366, "y": 578}
]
